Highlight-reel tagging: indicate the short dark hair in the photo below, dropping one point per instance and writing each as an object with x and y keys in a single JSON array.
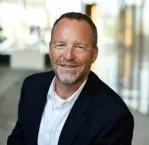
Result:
[{"x": 80, "y": 16}]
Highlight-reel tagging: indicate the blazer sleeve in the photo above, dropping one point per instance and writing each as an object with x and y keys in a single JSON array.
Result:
[
  {"x": 118, "y": 132},
  {"x": 17, "y": 135}
]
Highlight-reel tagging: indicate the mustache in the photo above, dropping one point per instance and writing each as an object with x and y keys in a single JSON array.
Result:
[{"x": 64, "y": 62}]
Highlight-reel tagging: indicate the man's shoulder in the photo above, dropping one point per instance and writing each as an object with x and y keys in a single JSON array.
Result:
[
  {"x": 40, "y": 75},
  {"x": 106, "y": 97}
]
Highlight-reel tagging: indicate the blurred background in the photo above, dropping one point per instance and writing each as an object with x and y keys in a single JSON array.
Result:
[{"x": 123, "y": 61}]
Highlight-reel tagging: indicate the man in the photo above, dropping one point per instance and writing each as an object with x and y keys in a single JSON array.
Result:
[{"x": 71, "y": 106}]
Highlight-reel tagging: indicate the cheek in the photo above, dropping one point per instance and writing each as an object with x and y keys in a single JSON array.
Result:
[
  {"x": 86, "y": 59},
  {"x": 54, "y": 56}
]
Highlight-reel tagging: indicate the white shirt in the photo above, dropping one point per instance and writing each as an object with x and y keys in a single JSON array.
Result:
[{"x": 54, "y": 116}]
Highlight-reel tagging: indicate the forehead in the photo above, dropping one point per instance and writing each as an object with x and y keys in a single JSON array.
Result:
[
  {"x": 72, "y": 29},
  {"x": 76, "y": 24}
]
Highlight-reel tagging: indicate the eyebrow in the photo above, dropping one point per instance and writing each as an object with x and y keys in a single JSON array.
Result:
[
  {"x": 58, "y": 42},
  {"x": 78, "y": 43},
  {"x": 75, "y": 42}
]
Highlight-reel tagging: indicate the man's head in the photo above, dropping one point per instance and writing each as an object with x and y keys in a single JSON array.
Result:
[{"x": 73, "y": 47}]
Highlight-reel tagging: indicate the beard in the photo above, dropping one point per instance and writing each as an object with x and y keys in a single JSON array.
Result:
[{"x": 67, "y": 76}]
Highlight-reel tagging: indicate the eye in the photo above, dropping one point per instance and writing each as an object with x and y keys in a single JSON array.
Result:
[
  {"x": 59, "y": 46},
  {"x": 80, "y": 48}
]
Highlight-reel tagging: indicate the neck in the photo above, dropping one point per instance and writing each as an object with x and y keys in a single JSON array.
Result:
[{"x": 66, "y": 90}]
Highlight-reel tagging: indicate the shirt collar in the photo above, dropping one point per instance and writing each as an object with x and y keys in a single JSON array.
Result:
[{"x": 58, "y": 102}]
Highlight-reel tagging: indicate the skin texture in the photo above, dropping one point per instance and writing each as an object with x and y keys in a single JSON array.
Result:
[{"x": 71, "y": 54}]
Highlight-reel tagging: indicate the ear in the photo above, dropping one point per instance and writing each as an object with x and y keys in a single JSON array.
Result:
[
  {"x": 49, "y": 49},
  {"x": 95, "y": 54}
]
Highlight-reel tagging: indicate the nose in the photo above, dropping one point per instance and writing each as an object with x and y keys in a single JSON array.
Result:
[{"x": 69, "y": 53}]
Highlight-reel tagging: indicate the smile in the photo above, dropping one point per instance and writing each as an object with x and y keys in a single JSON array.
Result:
[{"x": 68, "y": 66}]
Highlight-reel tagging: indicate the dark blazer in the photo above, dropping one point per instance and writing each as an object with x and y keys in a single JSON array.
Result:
[{"x": 98, "y": 117}]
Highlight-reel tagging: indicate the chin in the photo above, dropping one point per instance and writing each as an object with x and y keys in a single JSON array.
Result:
[{"x": 67, "y": 78}]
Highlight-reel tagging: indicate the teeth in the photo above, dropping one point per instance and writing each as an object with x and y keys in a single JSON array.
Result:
[{"x": 68, "y": 65}]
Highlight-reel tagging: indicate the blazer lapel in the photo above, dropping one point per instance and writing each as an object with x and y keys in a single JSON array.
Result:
[
  {"x": 41, "y": 94},
  {"x": 76, "y": 118},
  {"x": 40, "y": 108}
]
